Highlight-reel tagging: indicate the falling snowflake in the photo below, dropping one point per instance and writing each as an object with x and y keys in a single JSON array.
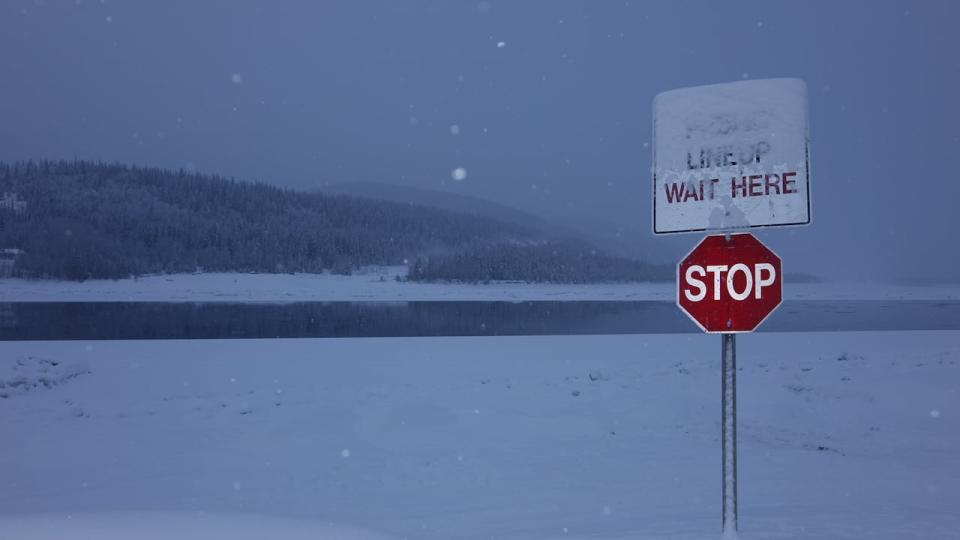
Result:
[
  {"x": 345, "y": 453},
  {"x": 236, "y": 78},
  {"x": 501, "y": 44},
  {"x": 459, "y": 174},
  {"x": 934, "y": 414},
  {"x": 454, "y": 129}
]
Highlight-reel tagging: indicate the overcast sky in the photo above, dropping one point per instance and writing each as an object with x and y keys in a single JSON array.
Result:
[{"x": 546, "y": 105}]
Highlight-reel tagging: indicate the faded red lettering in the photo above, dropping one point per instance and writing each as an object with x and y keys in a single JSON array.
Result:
[
  {"x": 674, "y": 191},
  {"x": 691, "y": 194},
  {"x": 755, "y": 185},
  {"x": 775, "y": 184},
  {"x": 742, "y": 187},
  {"x": 787, "y": 182}
]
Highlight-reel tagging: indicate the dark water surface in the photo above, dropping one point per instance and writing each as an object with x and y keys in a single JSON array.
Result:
[{"x": 168, "y": 320}]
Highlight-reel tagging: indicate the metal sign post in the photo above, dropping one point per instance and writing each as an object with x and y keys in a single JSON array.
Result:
[{"x": 728, "y": 421}]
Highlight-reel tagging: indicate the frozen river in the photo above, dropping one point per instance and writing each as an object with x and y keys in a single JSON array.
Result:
[{"x": 206, "y": 320}]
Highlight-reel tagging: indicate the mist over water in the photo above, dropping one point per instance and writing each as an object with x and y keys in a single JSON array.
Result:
[{"x": 544, "y": 106}]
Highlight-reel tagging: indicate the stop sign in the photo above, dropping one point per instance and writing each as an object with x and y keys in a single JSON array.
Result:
[{"x": 729, "y": 285}]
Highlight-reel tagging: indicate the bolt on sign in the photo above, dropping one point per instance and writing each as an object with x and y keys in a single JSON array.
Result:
[
  {"x": 731, "y": 156},
  {"x": 729, "y": 284}
]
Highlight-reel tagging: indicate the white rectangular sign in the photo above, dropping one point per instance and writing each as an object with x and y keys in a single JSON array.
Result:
[{"x": 731, "y": 156}]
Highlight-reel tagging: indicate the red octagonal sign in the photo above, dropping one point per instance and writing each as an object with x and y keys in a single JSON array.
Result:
[{"x": 729, "y": 285}]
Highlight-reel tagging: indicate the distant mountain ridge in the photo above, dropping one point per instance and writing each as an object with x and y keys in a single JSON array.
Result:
[
  {"x": 566, "y": 254},
  {"x": 630, "y": 242},
  {"x": 444, "y": 200}
]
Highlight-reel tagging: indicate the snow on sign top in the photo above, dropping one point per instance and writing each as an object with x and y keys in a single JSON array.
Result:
[{"x": 731, "y": 156}]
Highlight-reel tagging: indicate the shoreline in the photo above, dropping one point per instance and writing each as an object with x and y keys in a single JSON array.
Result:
[{"x": 380, "y": 285}]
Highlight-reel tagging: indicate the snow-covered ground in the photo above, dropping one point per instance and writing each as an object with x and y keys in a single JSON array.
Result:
[
  {"x": 843, "y": 436},
  {"x": 379, "y": 284},
  {"x": 173, "y": 526}
]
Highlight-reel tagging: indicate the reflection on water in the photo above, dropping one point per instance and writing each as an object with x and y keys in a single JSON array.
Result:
[
  {"x": 8, "y": 319},
  {"x": 165, "y": 320}
]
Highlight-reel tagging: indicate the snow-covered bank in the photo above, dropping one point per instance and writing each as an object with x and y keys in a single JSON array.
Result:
[
  {"x": 380, "y": 285},
  {"x": 843, "y": 435}
]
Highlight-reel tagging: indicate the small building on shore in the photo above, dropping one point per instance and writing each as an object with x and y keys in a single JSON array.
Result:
[
  {"x": 8, "y": 258},
  {"x": 12, "y": 202}
]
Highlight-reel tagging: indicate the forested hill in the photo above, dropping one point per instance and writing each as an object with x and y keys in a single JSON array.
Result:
[
  {"x": 91, "y": 220},
  {"x": 81, "y": 220}
]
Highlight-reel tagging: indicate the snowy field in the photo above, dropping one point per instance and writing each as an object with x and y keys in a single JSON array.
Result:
[
  {"x": 379, "y": 284},
  {"x": 843, "y": 436}
]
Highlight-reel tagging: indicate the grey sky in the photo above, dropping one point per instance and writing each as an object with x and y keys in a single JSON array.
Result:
[{"x": 552, "y": 101}]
